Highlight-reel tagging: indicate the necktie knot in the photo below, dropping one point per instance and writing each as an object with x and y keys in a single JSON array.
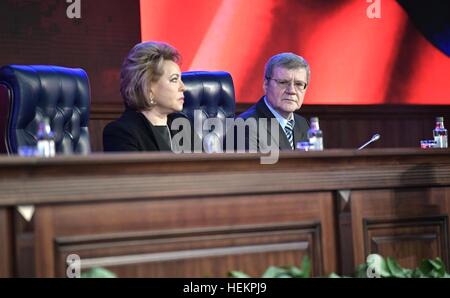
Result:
[{"x": 290, "y": 124}]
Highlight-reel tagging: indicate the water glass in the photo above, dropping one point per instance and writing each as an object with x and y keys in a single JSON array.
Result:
[
  {"x": 303, "y": 146},
  {"x": 425, "y": 144},
  {"x": 27, "y": 151}
]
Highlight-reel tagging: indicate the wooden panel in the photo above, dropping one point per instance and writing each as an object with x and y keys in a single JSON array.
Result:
[
  {"x": 148, "y": 214},
  {"x": 149, "y": 175},
  {"x": 6, "y": 241},
  {"x": 350, "y": 126},
  {"x": 344, "y": 126},
  {"x": 101, "y": 114},
  {"x": 177, "y": 238},
  {"x": 24, "y": 245},
  {"x": 43, "y": 242},
  {"x": 409, "y": 224},
  {"x": 409, "y": 240},
  {"x": 198, "y": 256},
  {"x": 344, "y": 232}
]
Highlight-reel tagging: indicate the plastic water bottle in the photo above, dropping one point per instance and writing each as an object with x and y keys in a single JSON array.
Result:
[
  {"x": 45, "y": 139},
  {"x": 212, "y": 143},
  {"x": 315, "y": 135},
  {"x": 440, "y": 133}
]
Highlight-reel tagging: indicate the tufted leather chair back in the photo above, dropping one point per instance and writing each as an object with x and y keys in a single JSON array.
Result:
[
  {"x": 30, "y": 92},
  {"x": 212, "y": 95}
]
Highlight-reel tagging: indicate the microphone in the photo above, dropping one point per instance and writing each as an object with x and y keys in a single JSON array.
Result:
[{"x": 374, "y": 138}]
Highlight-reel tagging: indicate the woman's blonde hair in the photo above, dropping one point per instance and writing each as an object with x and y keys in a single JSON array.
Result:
[{"x": 142, "y": 66}]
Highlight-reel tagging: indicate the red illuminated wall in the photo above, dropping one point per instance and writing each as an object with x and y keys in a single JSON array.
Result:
[{"x": 354, "y": 59}]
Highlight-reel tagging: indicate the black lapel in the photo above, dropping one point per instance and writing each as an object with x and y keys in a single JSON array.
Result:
[
  {"x": 264, "y": 112},
  {"x": 163, "y": 146},
  {"x": 300, "y": 129},
  {"x": 159, "y": 142}
]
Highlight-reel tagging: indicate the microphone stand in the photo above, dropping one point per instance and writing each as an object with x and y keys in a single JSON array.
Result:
[{"x": 373, "y": 139}]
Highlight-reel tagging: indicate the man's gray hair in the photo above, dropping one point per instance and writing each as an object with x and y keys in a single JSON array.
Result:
[
  {"x": 288, "y": 61},
  {"x": 142, "y": 66}
]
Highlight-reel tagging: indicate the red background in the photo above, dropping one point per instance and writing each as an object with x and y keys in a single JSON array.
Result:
[{"x": 354, "y": 59}]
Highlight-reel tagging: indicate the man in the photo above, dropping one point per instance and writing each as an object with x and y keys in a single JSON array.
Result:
[{"x": 286, "y": 79}]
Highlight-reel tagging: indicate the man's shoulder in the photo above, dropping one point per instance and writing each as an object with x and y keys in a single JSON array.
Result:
[
  {"x": 300, "y": 119},
  {"x": 255, "y": 111},
  {"x": 301, "y": 122},
  {"x": 250, "y": 113}
]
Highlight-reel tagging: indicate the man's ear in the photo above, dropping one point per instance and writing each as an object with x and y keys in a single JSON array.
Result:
[{"x": 265, "y": 82}]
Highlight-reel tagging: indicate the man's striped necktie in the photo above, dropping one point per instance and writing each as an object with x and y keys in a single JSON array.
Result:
[{"x": 289, "y": 129}]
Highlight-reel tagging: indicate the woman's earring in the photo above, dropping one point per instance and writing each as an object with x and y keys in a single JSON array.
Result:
[{"x": 152, "y": 101}]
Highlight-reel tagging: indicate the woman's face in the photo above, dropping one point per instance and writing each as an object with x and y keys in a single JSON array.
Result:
[{"x": 167, "y": 92}]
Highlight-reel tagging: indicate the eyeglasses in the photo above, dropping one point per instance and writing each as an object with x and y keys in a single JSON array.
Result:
[{"x": 299, "y": 85}]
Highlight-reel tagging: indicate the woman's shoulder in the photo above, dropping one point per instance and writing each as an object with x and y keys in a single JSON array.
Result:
[
  {"x": 129, "y": 117},
  {"x": 129, "y": 120}
]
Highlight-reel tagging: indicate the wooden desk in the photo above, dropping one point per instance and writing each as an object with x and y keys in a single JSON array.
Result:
[{"x": 201, "y": 215}]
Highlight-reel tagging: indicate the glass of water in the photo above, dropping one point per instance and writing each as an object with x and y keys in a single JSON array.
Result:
[
  {"x": 303, "y": 146},
  {"x": 425, "y": 144},
  {"x": 27, "y": 151}
]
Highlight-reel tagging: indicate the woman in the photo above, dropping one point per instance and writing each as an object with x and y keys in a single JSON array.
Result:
[{"x": 151, "y": 86}]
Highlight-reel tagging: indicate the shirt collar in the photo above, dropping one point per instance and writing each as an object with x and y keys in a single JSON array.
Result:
[{"x": 281, "y": 120}]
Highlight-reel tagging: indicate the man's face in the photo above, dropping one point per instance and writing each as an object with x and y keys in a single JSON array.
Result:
[{"x": 284, "y": 89}]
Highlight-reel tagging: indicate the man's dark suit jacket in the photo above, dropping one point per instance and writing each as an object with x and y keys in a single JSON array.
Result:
[
  {"x": 133, "y": 132},
  {"x": 259, "y": 111}
]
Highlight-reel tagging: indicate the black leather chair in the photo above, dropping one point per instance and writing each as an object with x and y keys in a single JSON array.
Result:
[
  {"x": 212, "y": 94},
  {"x": 28, "y": 93}
]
